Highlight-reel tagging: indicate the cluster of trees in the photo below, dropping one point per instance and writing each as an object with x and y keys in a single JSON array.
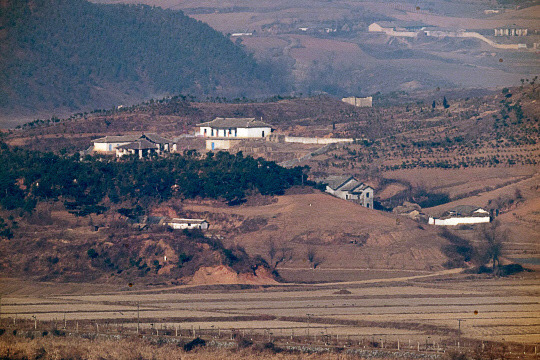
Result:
[
  {"x": 58, "y": 52},
  {"x": 484, "y": 253},
  {"x": 87, "y": 185}
]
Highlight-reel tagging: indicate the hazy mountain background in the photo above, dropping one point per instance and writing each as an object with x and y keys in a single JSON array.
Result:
[{"x": 59, "y": 57}]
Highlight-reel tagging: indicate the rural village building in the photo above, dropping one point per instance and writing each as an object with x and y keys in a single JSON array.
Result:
[
  {"x": 223, "y": 133},
  {"x": 462, "y": 214},
  {"x": 359, "y": 101},
  {"x": 181, "y": 224},
  {"x": 143, "y": 145},
  {"x": 511, "y": 30},
  {"x": 393, "y": 28},
  {"x": 143, "y": 222},
  {"x": 348, "y": 188}
]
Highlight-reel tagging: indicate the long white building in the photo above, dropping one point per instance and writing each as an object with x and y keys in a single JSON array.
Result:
[{"x": 460, "y": 215}]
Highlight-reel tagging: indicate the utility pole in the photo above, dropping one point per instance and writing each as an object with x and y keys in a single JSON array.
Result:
[
  {"x": 138, "y": 317},
  {"x": 459, "y": 331}
]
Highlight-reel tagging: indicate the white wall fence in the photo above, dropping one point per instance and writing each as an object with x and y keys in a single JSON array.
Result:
[
  {"x": 458, "y": 220},
  {"x": 307, "y": 140}
]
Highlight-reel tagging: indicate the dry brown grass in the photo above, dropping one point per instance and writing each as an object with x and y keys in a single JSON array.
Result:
[
  {"x": 333, "y": 227},
  {"x": 130, "y": 349}
]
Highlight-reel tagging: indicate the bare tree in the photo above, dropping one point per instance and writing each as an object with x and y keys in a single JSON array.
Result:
[
  {"x": 278, "y": 255},
  {"x": 493, "y": 238},
  {"x": 313, "y": 257}
]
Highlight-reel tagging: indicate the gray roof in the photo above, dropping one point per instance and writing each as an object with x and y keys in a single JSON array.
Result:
[
  {"x": 401, "y": 24},
  {"x": 351, "y": 185},
  {"x": 463, "y": 210},
  {"x": 335, "y": 181},
  {"x": 117, "y": 139},
  {"x": 225, "y": 123},
  {"x": 140, "y": 144},
  {"x": 185, "y": 221},
  {"x": 155, "y": 138}
]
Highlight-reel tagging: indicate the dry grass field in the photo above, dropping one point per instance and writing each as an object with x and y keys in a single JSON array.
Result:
[
  {"x": 342, "y": 234},
  {"x": 412, "y": 310}
]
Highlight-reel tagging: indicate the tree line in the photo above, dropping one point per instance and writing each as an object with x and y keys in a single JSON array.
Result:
[{"x": 88, "y": 185}]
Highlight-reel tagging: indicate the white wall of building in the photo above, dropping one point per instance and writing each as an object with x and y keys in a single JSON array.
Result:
[
  {"x": 221, "y": 144},
  {"x": 182, "y": 226},
  {"x": 256, "y": 132},
  {"x": 108, "y": 147},
  {"x": 458, "y": 220}
]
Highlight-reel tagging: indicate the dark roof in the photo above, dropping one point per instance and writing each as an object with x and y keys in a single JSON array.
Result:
[
  {"x": 140, "y": 144},
  {"x": 401, "y": 24},
  {"x": 335, "y": 181},
  {"x": 156, "y": 139},
  {"x": 185, "y": 221},
  {"x": 225, "y": 123},
  {"x": 117, "y": 139},
  {"x": 351, "y": 185},
  {"x": 464, "y": 210},
  {"x": 513, "y": 26}
]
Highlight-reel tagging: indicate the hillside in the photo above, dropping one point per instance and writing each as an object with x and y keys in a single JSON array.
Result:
[
  {"x": 341, "y": 235},
  {"x": 58, "y": 56},
  {"x": 443, "y": 149}
]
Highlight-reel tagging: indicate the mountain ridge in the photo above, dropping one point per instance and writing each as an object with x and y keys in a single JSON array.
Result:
[{"x": 61, "y": 56}]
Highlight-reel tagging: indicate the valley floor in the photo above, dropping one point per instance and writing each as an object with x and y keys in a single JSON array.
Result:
[{"x": 412, "y": 310}]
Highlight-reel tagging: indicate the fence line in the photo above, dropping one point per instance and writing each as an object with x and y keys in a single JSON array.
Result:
[{"x": 288, "y": 338}]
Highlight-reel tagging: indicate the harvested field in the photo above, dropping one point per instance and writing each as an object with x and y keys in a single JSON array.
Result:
[{"x": 404, "y": 310}]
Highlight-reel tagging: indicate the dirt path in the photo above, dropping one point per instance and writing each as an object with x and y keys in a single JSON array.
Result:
[
  {"x": 397, "y": 279},
  {"x": 284, "y": 285}
]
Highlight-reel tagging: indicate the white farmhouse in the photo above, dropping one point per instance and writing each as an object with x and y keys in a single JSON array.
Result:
[
  {"x": 462, "y": 214},
  {"x": 348, "y": 188},
  {"x": 181, "y": 224},
  {"x": 133, "y": 144},
  {"x": 108, "y": 144},
  {"x": 235, "y": 127}
]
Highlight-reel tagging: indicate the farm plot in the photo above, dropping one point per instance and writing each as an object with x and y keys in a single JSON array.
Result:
[{"x": 490, "y": 309}]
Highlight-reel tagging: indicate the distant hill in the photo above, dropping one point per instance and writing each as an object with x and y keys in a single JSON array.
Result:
[{"x": 61, "y": 56}]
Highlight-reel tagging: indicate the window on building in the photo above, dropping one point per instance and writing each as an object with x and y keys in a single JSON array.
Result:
[{"x": 367, "y": 194}]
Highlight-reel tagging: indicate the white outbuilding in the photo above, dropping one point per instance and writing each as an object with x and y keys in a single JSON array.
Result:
[
  {"x": 461, "y": 215},
  {"x": 181, "y": 224}
]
